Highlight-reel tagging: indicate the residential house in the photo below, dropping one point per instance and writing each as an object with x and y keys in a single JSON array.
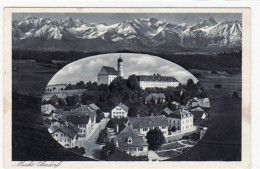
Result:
[
  {"x": 182, "y": 119},
  {"x": 131, "y": 143},
  {"x": 155, "y": 98},
  {"x": 65, "y": 134},
  {"x": 121, "y": 110},
  {"x": 199, "y": 102},
  {"x": 83, "y": 122},
  {"x": 91, "y": 114},
  {"x": 154, "y": 81},
  {"x": 145, "y": 124},
  {"x": 47, "y": 109},
  {"x": 198, "y": 112}
]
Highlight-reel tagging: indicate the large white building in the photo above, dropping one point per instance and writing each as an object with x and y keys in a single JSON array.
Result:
[
  {"x": 120, "y": 111},
  {"x": 182, "y": 119},
  {"x": 107, "y": 74},
  {"x": 157, "y": 81}
]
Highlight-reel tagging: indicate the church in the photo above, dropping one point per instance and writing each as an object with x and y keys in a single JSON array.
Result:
[{"x": 107, "y": 74}]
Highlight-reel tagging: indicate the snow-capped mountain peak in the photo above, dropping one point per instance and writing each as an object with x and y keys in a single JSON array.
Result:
[{"x": 149, "y": 33}]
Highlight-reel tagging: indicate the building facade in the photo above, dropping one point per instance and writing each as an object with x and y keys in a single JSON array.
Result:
[
  {"x": 120, "y": 111},
  {"x": 157, "y": 81},
  {"x": 145, "y": 124},
  {"x": 180, "y": 119}
]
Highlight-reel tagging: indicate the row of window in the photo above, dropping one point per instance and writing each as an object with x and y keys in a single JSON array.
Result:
[
  {"x": 147, "y": 128},
  {"x": 135, "y": 149},
  {"x": 82, "y": 125},
  {"x": 118, "y": 112},
  {"x": 65, "y": 140}
]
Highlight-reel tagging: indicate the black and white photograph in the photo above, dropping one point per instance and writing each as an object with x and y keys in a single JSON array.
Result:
[{"x": 124, "y": 86}]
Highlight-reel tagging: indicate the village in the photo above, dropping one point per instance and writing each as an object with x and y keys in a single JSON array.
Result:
[{"x": 144, "y": 117}]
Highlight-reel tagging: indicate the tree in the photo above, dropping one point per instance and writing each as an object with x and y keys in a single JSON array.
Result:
[
  {"x": 132, "y": 83},
  {"x": 80, "y": 85},
  {"x": 133, "y": 111},
  {"x": 173, "y": 129},
  {"x": 103, "y": 136},
  {"x": 155, "y": 139},
  {"x": 72, "y": 100},
  {"x": 107, "y": 150},
  {"x": 61, "y": 102},
  {"x": 100, "y": 115}
]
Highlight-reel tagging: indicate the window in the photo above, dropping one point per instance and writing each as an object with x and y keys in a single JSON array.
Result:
[
  {"x": 145, "y": 129},
  {"x": 141, "y": 149},
  {"x": 163, "y": 127}
]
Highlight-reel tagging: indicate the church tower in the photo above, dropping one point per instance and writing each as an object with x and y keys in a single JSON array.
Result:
[{"x": 120, "y": 66}]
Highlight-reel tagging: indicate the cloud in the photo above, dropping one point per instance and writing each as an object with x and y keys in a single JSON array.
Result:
[{"x": 88, "y": 68}]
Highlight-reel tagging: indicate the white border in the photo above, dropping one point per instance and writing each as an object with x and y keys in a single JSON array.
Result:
[{"x": 255, "y": 31}]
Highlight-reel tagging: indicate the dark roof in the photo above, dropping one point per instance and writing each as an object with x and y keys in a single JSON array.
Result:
[
  {"x": 180, "y": 113},
  {"x": 123, "y": 136},
  {"x": 148, "y": 121},
  {"x": 105, "y": 70},
  {"x": 54, "y": 98},
  {"x": 69, "y": 129},
  {"x": 91, "y": 114},
  {"x": 123, "y": 106},
  {"x": 78, "y": 119},
  {"x": 155, "y": 96},
  {"x": 157, "y": 78}
]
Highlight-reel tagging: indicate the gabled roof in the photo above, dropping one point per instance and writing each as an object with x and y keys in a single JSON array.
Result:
[
  {"x": 70, "y": 129},
  {"x": 54, "y": 98},
  {"x": 54, "y": 127},
  {"x": 105, "y": 70},
  {"x": 47, "y": 108},
  {"x": 155, "y": 96},
  {"x": 93, "y": 106},
  {"x": 175, "y": 103},
  {"x": 123, "y": 106},
  {"x": 197, "y": 109},
  {"x": 148, "y": 121},
  {"x": 76, "y": 120},
  {"x": 156, "y": 78},
  {"x": 167, "y": 110},
  {"x": 123, "y": 136},
  {"x": 181, "y": 113},
  {"x": 73, "y": 113}
]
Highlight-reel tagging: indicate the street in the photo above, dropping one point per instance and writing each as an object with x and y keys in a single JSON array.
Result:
[{"x": 91, "y": 147}]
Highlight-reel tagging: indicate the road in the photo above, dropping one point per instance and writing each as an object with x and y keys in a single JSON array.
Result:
[{"x": 91, "y": 147}]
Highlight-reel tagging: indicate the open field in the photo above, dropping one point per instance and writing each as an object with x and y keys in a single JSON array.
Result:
[{"x": 222, "y": 140}]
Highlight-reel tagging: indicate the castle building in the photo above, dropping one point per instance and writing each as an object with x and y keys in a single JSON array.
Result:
[
  {"x": 107, "y": 74},
  {"x": 157, "y": 81}
]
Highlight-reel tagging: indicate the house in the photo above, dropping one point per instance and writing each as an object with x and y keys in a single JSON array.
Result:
[
  {"x": 145, "y": 124},
  {"x": 83, "y": 122},
  {"x": 121, "y": 110},
  {"x": 131, "y": 143},
  {"x": 47, "y": 109},
  {"x": 175, "y": 105},
  {"x": 157, "y": 81},
  {"x": 107, "y": 74},
  {"x": 199, "y": 102},
  {"x": 54, "y": 99},
  {"x": 92, "y": 115},
  {"x": 65, "y": 134},
  {"x": 197, "y": 113},
  {"x": 155, "y": 98},
  {"x": 182, "y": 119}
]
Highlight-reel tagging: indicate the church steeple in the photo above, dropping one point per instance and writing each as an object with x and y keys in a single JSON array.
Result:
[{"x": 120, "y": 66}]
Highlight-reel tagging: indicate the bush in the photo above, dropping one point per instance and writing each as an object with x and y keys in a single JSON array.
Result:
[{"x": 103, "y": 136}]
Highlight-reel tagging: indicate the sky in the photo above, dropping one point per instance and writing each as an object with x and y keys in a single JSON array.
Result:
[
  {"x": 88, "y": 68},
  {"x": 112, "y": 18}
]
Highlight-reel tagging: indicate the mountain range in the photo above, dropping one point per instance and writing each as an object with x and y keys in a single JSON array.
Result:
[{"x": 141, "y": 34}]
